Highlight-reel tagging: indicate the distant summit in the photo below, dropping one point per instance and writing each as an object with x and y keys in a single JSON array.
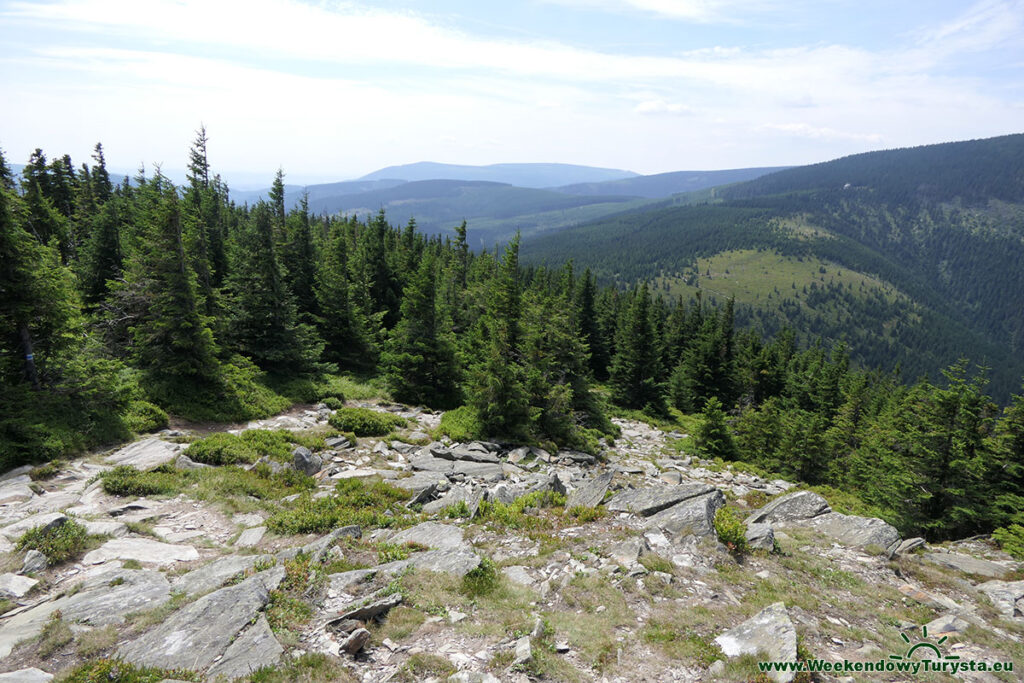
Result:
[{"x": 522, "y": 175}]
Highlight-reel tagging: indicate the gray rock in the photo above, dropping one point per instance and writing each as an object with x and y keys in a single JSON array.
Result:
[
  {"x": 15, "y": 492},
  {"x": 518, "y": 455},
  {"x": 769, "y": 632},
  {"x": 933, "y": 600},
  {"x": 947, "y": 623},
  {"x": 431, "y": 535},
  {"x": 464, "y": 454},
  {"x": 183, "y": 462},
  {"x": 15, "y": 586},
  {"x": 968, "y": 564},
  {"x": 341, "y": 582},
  {"x": 115, "y": 529},
  {"x": 591, "y": 493},
  {"x": 518, "y": 574},
  {"x": 523, "y": 651},
  {"x": 320, "y": 546},
  {"x": 101, "y": 600},
  {"x": 457, "y": 561},
  {"x": 422, "y": 485},
  {"x": 304, "y": 461},
  {"x": 908, "y": 546},
  {"x": 418, "y": 436},
  {"x": 250, "y": 537},
  {"x": 692, "y": 516},
  {"x": 370, "y": 610},
  {"x": 255, "y": 648},
  {"x": 196, "y": 635},
  {"x": 142, "y": 550},
  {"x": 577, "y": 456},
  {"x": 628, "y": 552},
  {"x": 473, "y": 677},
  {"x": 214, "y": 574},
  {"x": 483, "y": 446},
  {"x": 145, "y": 454},
  {"x": 1006, "y": 596},
  {"x": 671, "y": 477},
  {"x": 35, "y": 561},
  {"x": 485, "y": 470},
  {"x": 791, "y": 508},
  {"x": 32, "y": 675},
  {"x": 648, "y": 501},
  {"x": 556, "y": 484},
  {"x": 456, "y": 495},
  {"x": 426, "y": 462},
  {"x": 857, "y": 532},
  {"x": 338, "y": 442},
  {"x": 356, "y": 641},
  {"x": 761, "y": 537},
  {"x": 717, "y": 668},
  {"x": 503, "y": 493}
]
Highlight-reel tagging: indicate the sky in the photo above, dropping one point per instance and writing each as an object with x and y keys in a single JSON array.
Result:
[{"x": 333, "y": 90}]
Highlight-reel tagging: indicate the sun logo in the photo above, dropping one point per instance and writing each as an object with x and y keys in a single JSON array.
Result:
[{"x": 923, "y": 645}]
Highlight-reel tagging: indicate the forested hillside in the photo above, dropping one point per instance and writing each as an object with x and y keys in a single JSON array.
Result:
[
  {"x": 938, "y": 230},
  {"x": 124, "y": 303}
]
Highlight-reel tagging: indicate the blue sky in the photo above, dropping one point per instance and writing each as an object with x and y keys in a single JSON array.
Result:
[{"x": 333, "y": 90}]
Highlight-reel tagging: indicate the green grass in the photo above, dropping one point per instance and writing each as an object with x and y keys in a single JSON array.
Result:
[
  {"x": 54, "y": 636},
  {"x": 251, "y": 445},
  {"x": 515, "y": 515},
  {"x": 308, "y": 668},
  {"x": 117, "y": 671},
  {"x": 365, "y": 422},
  {"x": 370, "y": 504},
  {"x": 460, "y": 424},
  {"x": 47, "y": 471},
  {"x": 59, "y": 542}
]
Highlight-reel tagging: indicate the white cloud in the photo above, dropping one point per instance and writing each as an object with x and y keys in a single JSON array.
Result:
[
  {"x": 663, "y": 107},
  {"x": 699, "y": 11},
  {"x": 804, "y": 130}
]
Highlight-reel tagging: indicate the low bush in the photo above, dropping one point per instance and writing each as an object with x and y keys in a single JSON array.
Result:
[
  {"x": 59, "y": 542},
  {"x": 482, "y": 580},
  {"x": 142, "y": 417},
  {"x": 117, "y": 671},
  {"x": 334, "y": 403},
  {"x": 371, "y": 504},
  {"x": 125, "y": 480},
  {"x": 731, "y": 530},
  {"x": 460, "y": 424},
  {"x": 1011, "y": 540},
  {"x": 365, "y": 422}
]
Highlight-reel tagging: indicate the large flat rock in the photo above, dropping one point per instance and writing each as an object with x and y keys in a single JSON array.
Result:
[
  {"x": 215, "y": 574},
  {"x": 791, "y": 508},
  {"x": 103, "y": 599},
  {"x": 16, "y": 529},
  {"x": 196, "y": 635},
  {"x": 648, "y": 501},
  {"x": 968, "y": 564},
  {"x": 15, "y": 585},
  {"x": 254, "y": 648},
  {"x": 590, "y": 493},
  {"x": 1006, "y": 596},
  {"x": 430, "y": 534},
  {"x": 856, "y": 531},
  {"x": 141, "y": 550},
  {"x": 694, "y": 516},
  {"x": 457, "y": 561},
  {"x": 145, "y": 454},
  {"x": 769, "y": 633}
]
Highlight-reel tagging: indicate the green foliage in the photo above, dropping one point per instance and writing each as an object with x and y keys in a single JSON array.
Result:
[
  {"x": 368, "y": 504},
  {"x": 117, "y": 671},
  {"x": 365, "y": 422},
  {"x": 223, "y": 448},
  {"x": 60, "y": 542},
  {"x": 44, "y": 472},
  {"x": 1011, "y": 540},
  {"x": 334, "y": 403},
  {"x": 311, "y": 667},
  {"x": 125, "y": 480},
  {"x": 219, "y": 484},
  {"x": 143, "y": 416},
  {"x": 730, "y": 530},
  {"x": 713, "y": 437},
  {"x": 460, "y": 424},
  {"x": 482, "y": 580},
  {"x": 635, "y": 373}
]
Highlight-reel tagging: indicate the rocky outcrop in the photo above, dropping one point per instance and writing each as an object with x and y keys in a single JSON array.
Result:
[
  {"x": 857, "y": 532},
  {"x": 793, "y": 507},
  {"x": 145, "y": 454},
  {"x": 968, "y": 564},
  {"x": 141, "y": 550},
  {"x": 770, "y": 634},
  {"x": 1006, "y": 596},
  {"x": 254, "y": 648},
  {"x": 431, "y": 535},
  {"x": 590, "y": 493},
  {"x": 651, "y": 500},
  {"x": 694, "y": 516}
]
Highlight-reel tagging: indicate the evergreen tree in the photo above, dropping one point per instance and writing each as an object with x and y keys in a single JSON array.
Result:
[
  {"x": 713, "y": 437},
  {"x": 100, "y": 178},
  {"x": 635, "y": 373},
  {"x": 262, "y": 319},
  {"x": 299, "y": 257},
  {"x": 102, "y": 258},
  {"x": 497, "y": 382},
  {"x": 350, "y": 343},
  {"x": 418, "y": 361}
]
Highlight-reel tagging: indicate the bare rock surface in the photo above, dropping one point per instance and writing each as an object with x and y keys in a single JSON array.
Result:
[
  {"x": 254, "y": 648},
  {"x": 142, "y": 550},
  {"x": 794, "y": 507},
  {"x": 145, "y": 454},
  {"x": 430, "y": 534},
  {"x": 770, "y": 632},
  {"x": 651, "y": 500}
]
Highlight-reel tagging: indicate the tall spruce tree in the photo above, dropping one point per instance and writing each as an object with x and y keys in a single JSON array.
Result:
[{"x": 635, "y": 375}]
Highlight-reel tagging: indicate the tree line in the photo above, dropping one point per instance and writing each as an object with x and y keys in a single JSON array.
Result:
[{"x": 121, "y": 303}]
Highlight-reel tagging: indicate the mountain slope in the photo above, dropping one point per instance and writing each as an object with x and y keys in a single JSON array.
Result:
[
  {"x": 662, "y": 185},
  {"x": 941, "y": 228},
  {"x": 523, "y": 175}
]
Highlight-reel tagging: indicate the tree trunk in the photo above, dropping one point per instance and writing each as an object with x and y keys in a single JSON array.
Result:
[{"x": 30, "y": 363}]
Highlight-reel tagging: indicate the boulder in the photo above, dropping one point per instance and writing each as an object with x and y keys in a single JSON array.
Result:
[
  {"x": 459, "y": 494},
  {"x": 648, "y": 501},
  {"x": 198, "y": 634},
  {"x": 215, "y": 574},
  {"x": 857, "y": 532},
  {"x": 694, "y": 516},
  {"x": 590, "y": 493},
  {"x": 1006, "y": 596},
  {"x": 457, "y": 561},
  {"x": 523, "y": 652},
  {"x": 114, "y": 529},
  {"x": 770, "y": 633},
  {"x": 968, "y": 564},
  {"x": 945, "y": 625},
  {"x": 907, "y": 546},
  {"x": 431, "y": 535},
  {"x": 34, "y": 561},
  {"x": 421, "y": 485},
  {"x": 484, "y": 470},
  {"x": 142, "y": 550},
  {"x": 338, "y": 442},
  {"x": 370, "y": 610},
  {"x": 255, "y": 648},
  {"x": 628, "y": 552},
  {"x": 426, "y": 462},
  {"x": 356, "y": 641},
  {"x": 760, "y": 537},
  {"x": 518, "y": 574},
  {"x": 183, "y": 462},
  {"x": 15, "y": 586},
  {"x": 303, "y": 460},
  {"x": 321, "y": 545},
  {"x": 43, "y": 519},
  {"x": 145, "y": 454},
  {"x": 464, "y": 454},
  {"x": 31, "y": 675},
  {"x": 250, "y": 537},
  {"x": 16, "y": 491},
  {"x": 794, "y": 507}
]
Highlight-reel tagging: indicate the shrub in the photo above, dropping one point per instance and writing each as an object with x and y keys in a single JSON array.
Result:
[
  {"x": 731, "y": 530},
  {"x": 221, "y": 449},
  {"x": 460, "y": 424},
  {"x": 143, "y": 416},
  {"x": 59, "y": 542},
  {"x": 43, "y": 472},
  {"x": 334, "y": 403},
  {"x": 125, "y": 480},
  {"x": 1011, "y": 540},
  {"x": 482, "y": 580},
  {"x": 365, "y": 422},
  {"x": 117, "y": 671},
  {"x": 368, "y": 504}
]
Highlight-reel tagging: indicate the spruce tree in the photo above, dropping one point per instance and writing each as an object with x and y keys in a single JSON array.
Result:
[
  {"x": 713, "y": 437},
  {"x": 418, "y": 361},
  {"x": 342, "y": 324},
  {"x": 635, "y": 373}
]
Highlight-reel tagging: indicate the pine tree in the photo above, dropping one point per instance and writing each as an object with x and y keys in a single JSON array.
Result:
[
  {"x": 497, "y": 382},
  {"x": 418, "y": 361},
  {"x": 262, "y": 319},
  {"x": 299, "y": 258},
  {"x": 635, "y": 373},
  {"x": 713, "y": 437}
]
